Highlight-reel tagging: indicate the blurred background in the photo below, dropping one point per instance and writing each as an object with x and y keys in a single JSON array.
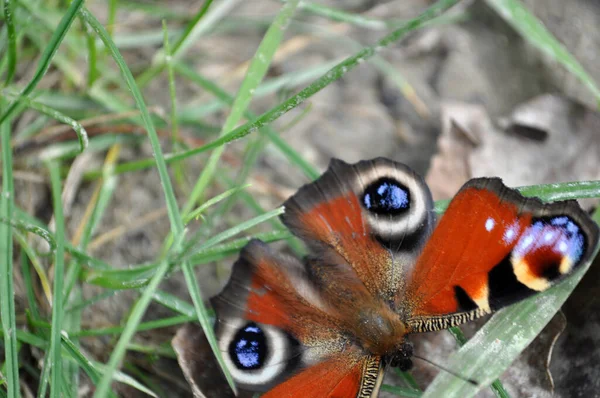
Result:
[{"x": 482, "y": 90}]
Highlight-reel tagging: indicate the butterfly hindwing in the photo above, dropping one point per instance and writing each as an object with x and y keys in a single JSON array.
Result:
[
  {"x": 348, "y": 375},
  {"x": 275, "y": 331},
  {"x": 493, "y": 247}
]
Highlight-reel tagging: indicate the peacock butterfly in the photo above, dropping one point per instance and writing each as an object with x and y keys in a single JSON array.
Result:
[{"x": 379, "y": 270}]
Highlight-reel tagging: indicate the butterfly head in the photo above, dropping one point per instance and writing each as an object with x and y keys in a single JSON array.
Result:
[{"x": 401, "y": 358}]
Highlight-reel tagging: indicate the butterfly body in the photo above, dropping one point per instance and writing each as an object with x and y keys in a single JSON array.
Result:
[{"x": 380, "y": 270}]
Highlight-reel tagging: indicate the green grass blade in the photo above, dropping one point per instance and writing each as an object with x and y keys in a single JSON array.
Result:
[
  {"x": 145, "y": 326},
  {"x": 126, "y": 379},
  {"x": 563, "y": 191},
  {"x": 174, "y": 303},
  {"x": 254, "y": 75},
  {"x": 112, "y": 16},
  {"x": 256, "y": 71},
  {"x": 30, "y": 252},
  {"x": 173, "y": 209},
  {"x": 94, "y": 370},
  {"x": 93, "y": 71},
  {"x": 402, "y": 391},
  {"x": 222, "y": 95},
  {"x": 202, "y": 22},
  {"x": 139, "y": 276},
  {"x": 536, "y": 33},
  {"x": 175, "y": 137},
  {"x": 54, "y": 359},
  {"x": 342, "y": 16},
  {"x": 340, "y": 70},
  {"x": 11, "y": 51},
  {"x": 194, "y": 111},
  {"x": 82, "y": 135},
  {"x": 49, "y": 51},
  {"x": 461, "y": 340},
  {"x": 196, "y": 213},
  {"x": 7, "y": 303},
  {"x": 220, "y": 237},
  {"x": 549, "y": 192},
  {"x": 192, "y": 30},
  {"x": 334, "y": 74},
  {"x": 130, "y": 329}
]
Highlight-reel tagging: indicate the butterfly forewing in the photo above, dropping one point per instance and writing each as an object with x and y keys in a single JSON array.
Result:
[
  {"x": 494, "y": 247},
  {"x": 374, "y": 216}
]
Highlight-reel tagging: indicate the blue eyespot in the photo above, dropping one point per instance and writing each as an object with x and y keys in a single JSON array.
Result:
[
  {"x": 248, "y": 349},
  {"x": 386, "y": 196},
  {"x": 559, "y": 235}
]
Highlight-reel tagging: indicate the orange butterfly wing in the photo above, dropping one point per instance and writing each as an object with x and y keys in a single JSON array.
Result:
[
  {"x": 279, "y": 336},
  {"x": 338, "y": 377},
  {"x": 341, "y": 218},
  {"x": 493, "y": 247}
]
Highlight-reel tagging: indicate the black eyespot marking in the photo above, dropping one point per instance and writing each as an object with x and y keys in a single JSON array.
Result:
[
  {"x": 465, "y": 303},
  {"x": 504, "y": 287},
  {"x": 248, "y": 349},
  {"x": 386, "y": 196}
]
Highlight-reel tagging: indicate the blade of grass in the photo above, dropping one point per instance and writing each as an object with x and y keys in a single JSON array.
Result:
[
  {"x": 144, "y": 326},
  {"x": 92, "y": 56},
  {"x": 536, "y": 33},
  {"x": 256, "y": 71},
  {"x": 174, "y": 218},
  {"x": 92, "y": 216},
  {"x": 73, "y": 291},
  {"x": 36, "y": 263},
  {"x": 33, "y": 310},
  {"x": 212, "y": 201},
  {"x": 496, "y": 386},
  {"x": 220, "y": 237},
  {"x": 194, "y": 111},
  {"x": 11, "y": 50},
  {"x": 130, "y": 329},
  {"x": 92, "y": 368},
  {"x": 112, "y": 16},
  {"x": 342, "y": 16},
  {"x": 335, "y": 73},
  {"x": 175, "y": 138},
  {"x": 173, "y": 210},
  {"x": 223, "y": 96},
  {"x": 46, "y": 58},
  {"x": 54, "y": 359},
  {"x": 173, "y": 302},
  {"x": 82, "y": 135},
  {"x": 402, "y": 391},
  {"x": 331, "y": 76},
  {"x": 139, "y": 276},
  {"x": 7, "y": 303},
  {"x": 549, "y": 192},
  {"x": 202, "y": 22}
]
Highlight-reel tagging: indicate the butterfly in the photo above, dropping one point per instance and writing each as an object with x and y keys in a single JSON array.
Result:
[{"x": 379, "y": 270}]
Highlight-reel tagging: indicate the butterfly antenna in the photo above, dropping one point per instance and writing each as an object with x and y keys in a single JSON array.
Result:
[{"x": 473, "y": 382}]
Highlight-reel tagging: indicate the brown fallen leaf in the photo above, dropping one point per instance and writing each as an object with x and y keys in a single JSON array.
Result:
[{"x": 548, "y": 139}]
